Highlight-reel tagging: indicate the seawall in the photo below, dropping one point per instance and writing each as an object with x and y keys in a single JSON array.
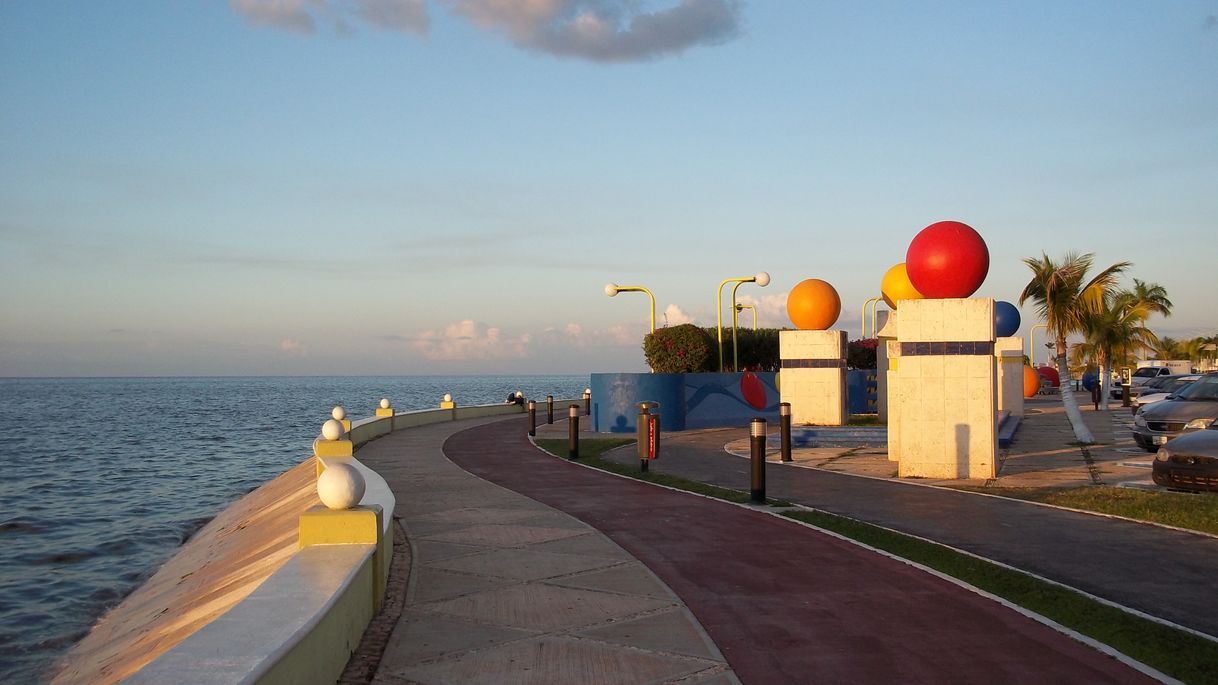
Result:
[{"x": 242, "y": 602}]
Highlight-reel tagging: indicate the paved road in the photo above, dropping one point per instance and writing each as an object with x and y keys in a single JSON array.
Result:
[
  {"x": 784, "y": 602},
  {"x": 1161, "y": 572}
]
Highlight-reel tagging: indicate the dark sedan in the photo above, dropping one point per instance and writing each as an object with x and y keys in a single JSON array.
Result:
[
  {"x": 1189, "y": 462},
  {"x": 1193, "y": 408}
]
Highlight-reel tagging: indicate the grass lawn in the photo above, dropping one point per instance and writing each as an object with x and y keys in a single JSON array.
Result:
[
  {"x": 591, "y": 449},
  {"x": 1183, "y": 510},
  {"x": 1174, "y": 652}
]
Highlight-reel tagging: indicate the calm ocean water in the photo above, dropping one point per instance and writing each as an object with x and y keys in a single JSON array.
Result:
[{"x": 105, "y": 477}]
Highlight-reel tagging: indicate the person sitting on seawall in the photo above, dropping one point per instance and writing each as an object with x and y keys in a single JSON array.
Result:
[{"x": 515, "y": 398}]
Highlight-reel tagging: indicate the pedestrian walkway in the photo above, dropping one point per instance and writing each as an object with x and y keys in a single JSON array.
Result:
[
  {"x": 504, "y": 589},
  {"x": 785, "y": 602}
]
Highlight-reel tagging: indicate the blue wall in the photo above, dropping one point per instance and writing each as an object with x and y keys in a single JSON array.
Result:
[
  {"x": 687, "y": 400},
  {"x": 861, "y": 391}
]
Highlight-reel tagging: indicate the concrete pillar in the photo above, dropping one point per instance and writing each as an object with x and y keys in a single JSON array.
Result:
[
  {"x": 1008, "y": 353},
  {"x": 814, "y": 376},
  {"x": 945, "y": 400},
  {"x": 886, "y": 331}
]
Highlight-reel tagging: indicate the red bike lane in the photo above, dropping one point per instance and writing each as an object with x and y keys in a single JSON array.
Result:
[{"x": 786, "y": 603}]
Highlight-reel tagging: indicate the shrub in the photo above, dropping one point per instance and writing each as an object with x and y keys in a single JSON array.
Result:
[
  {"x": 860, "y": 354},
  {"x": 679, "y": 349},
  {"x": 757, "y": 350}
]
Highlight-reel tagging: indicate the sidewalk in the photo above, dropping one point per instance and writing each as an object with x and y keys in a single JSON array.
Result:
[
  {"x": 785, "y": 602},
  {"x": 504, "y": 589}
]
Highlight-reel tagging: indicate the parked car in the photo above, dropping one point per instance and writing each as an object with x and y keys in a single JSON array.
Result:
[
  {"x": 1139, "y": 378},
  {"x": 1163, "y": 388},
  {"x": 1193, "y": 408},
  {"x": 1189, "y": 462}
]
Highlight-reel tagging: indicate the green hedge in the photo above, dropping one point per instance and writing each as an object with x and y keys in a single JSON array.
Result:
[{"x": 689, "y": 349}]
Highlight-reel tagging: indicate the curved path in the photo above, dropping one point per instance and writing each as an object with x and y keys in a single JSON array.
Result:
[
  {"x": 785, "y": 602},
  {"x": 1159, "y": 571}
]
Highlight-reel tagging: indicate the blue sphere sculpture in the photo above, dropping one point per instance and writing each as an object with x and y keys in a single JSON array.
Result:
[
  {"x": 1006, "y": 319},
  {"x": 1090, "y": 379}
]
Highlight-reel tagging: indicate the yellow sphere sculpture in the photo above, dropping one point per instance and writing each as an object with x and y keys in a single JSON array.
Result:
[
  {"x": 813, "y": 305},
  {"x": 896, "y": 286}
]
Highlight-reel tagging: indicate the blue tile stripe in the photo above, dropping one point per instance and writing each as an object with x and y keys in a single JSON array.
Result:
[
  {"x": 947, "y": 349},
  {"x": 814, "y": 363}
]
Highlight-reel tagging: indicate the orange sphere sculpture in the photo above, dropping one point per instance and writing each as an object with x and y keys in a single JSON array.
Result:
[
  {"x": 1031, "y": 381},
  {"x": 813, "y": 305},
  {"x": 896, "y": 286}
]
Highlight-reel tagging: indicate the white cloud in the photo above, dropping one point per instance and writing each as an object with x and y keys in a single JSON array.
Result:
[
  {"x": 597, "y": 30},
  {"x": 771, "y": 309},
  {"x": 292, "y": 348},
  {"x": 303, "y": 16},
  {"x": 605, "y": 30},
  {"x": 674, "y": 316},
  {"x": 467, "y": 340}
]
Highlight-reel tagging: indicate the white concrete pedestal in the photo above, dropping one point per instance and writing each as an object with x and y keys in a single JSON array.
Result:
[{"x": 813, "y": 377}]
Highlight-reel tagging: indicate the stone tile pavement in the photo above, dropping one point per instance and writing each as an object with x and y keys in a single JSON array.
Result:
[{"x": 503, "y": 589}]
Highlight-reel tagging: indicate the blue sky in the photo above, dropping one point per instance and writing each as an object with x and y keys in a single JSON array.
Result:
[{"x": 403, "y": 186}]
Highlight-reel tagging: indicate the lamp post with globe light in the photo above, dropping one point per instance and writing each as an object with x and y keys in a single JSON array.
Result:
[
  {"x": 612, "y": 289},
  {"x": 762, "y": 279}
]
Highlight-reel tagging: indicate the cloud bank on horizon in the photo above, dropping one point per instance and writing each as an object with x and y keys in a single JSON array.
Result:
[{"x": 596, "y": 30}]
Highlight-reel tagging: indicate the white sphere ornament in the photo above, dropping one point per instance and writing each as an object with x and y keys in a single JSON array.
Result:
[
  {"x": 763, "y": 278},
  {"x": 340, "y": 486},
  {"x": 332, "y": 430},
  {"x": 339, "y": 413},
  {"x": 448, "y": 397},
  {"x": 610, "y": 289},
  {"x": 384, "y": 403}
]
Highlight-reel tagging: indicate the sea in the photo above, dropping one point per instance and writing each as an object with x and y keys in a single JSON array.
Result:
[{"x": 104, "y": 478}]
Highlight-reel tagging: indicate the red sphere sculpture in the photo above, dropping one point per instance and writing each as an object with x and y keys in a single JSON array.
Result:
[
  {"x": 1050, "y": 374},
  {"x": 947, "y": 259}
]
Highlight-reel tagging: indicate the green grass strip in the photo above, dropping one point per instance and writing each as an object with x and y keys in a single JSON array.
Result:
[
  {"x": 590, "y": 451},
  {"x": 1190, "y": 511},
  {"x": 1182, "y": 655}
]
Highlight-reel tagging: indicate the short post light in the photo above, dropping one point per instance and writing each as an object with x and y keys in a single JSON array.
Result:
[
  {"x": 762, "y": 279},
  {"x": 385, "y": 409},
  {"x": 549, "y": 409},
  {"x": 784, "y": 428},
  {"x": 757, "y": 431},
  {"x": 340, "y": 415},
  {"x": 587, "y": 401},
  {"x": 332, "y": 443},
  {"x": 573, "y": 432},
  {"x": 612, "y": 289},
  {"x": 532, "y": 418}
]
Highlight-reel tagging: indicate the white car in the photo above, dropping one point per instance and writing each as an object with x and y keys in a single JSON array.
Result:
[{"x": 1164, "y": 391}]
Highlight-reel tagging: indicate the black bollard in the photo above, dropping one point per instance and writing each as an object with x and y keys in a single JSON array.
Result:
[
  {"x": 784, "y": 428},
  {"x": 1125, "y": 395},
  {"x": 757, "y": 459},
  {"x": 588, "y": 402},
  {"x": 532, "y": 418},
  {"x": 573, "y": 432},
  {"x": 549, "y": 409}
]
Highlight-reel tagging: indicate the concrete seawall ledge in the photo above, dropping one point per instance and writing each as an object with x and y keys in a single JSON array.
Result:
[{"x": 240, "y": 602}]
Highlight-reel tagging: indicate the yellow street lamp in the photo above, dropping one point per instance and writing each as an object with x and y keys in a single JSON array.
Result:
[
  {"x": 762, "y": 279},
  {"x": 742, "y": 307},
  {"x": 873, "y": 303},
  {"x": 612, "y": 289},
  {"x": 1032, "y": 343}
]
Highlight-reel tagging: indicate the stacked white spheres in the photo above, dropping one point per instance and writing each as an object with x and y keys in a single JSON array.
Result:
[
  {"x": 332, "y": 429},
  {"x": 340, "y": 486},
  {"x": 448, "y": 397},
  {"x": 339, "y": 413},
  {"x": 384, "y": 403}
]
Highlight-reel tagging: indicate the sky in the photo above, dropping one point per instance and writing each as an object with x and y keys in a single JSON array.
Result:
[{"x": 317, "y": 187}]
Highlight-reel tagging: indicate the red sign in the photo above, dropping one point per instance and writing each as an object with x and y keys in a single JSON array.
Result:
[{"x": 652, "y": 429}]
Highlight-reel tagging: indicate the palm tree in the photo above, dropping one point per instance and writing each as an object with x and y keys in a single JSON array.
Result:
[
  {"x": 1113, "y": 333},
  {"x": 1064, "y": 300}
]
